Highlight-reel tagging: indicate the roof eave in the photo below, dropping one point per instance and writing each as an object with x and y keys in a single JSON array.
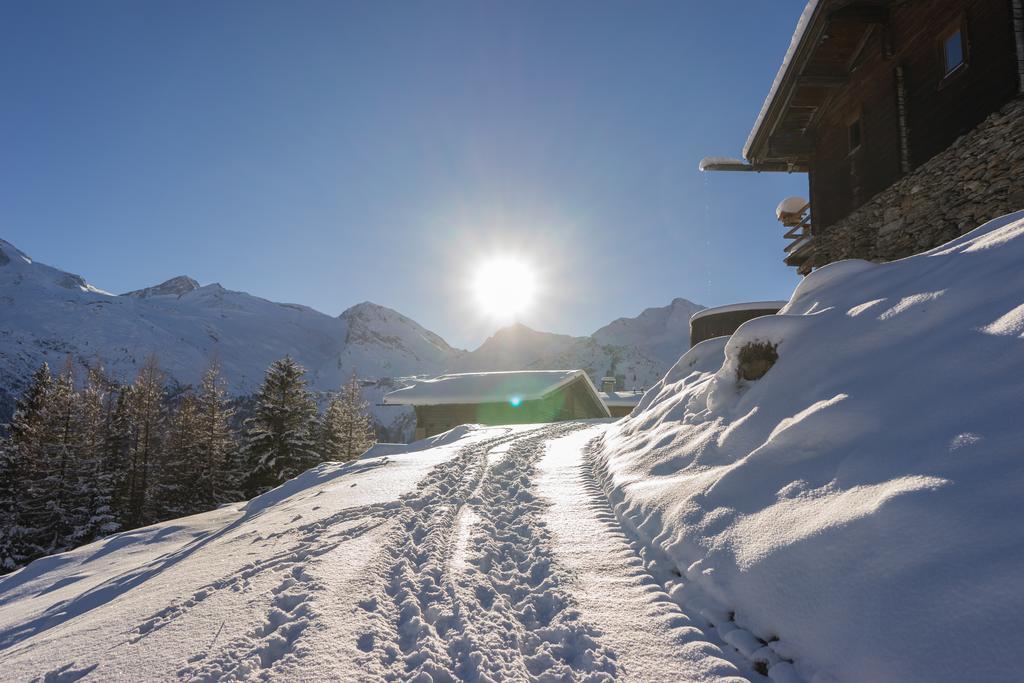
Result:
[{"x": 755, "y": 150}]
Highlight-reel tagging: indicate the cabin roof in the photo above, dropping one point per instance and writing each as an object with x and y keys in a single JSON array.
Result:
[
  {"x": 748, "y": 306},
  {"x": 626, "y": 399},
  {"x": 486, "y": 387},
  {"x": 829, "y": 38}
]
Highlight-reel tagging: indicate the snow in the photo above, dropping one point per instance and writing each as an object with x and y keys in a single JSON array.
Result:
[
  {"x": 708, "y": 162},
  {"x": 747, "y": 306},
  {"x": 621, "y": 398},
  {"x": 854, "y": 514},
  {"x": 790, "y": 205},
  {"x": 485, "y": 387},
  {"x": 458, "y": 559},
  {"x": 794, "y": 44}
]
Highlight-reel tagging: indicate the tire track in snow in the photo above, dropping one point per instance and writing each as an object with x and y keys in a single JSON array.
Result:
[{"x": 470, "y": 590}]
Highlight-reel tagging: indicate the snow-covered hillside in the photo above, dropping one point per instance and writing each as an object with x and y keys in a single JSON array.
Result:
[{"x": 856, "y": 510}]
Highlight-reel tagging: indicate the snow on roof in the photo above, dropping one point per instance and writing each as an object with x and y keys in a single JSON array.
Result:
[
  {"x": 790, "y": 205},
  {"x": 708, "y": 162},
  {"x": 748, "y": 306},
  {"x": 485, "y": 387},
  {"x": 621, "y": 398},
  {"x": 798, "y": 37}
]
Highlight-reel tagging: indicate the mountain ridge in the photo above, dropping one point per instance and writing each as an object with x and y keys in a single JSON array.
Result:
[{"x": 49, "y": 314}]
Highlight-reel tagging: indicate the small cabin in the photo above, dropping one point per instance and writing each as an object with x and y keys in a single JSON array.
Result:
[
  {"x": 722, "y": 321},
  {"x": 906, "y": 115},
  {"x": 499, "y": 398},
  {"x": 621, "y": 402}
]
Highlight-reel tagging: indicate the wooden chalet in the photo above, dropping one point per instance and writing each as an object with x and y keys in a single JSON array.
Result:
[
  {"x": 499, "y": 398},
  {"x": 870, "y": 98}
]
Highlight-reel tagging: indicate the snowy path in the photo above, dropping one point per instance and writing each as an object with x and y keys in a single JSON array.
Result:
[
  {"x": 655, "y": 641},
  {"x": 492, "y": 558}
]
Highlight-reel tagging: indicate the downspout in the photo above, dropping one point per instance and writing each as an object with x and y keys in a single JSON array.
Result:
[
  {"x": 901, "y": 107},
  {"x": 1018, "y": 32}
]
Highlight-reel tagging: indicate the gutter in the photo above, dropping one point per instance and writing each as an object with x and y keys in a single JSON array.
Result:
[{"x": 1018, "y": 32}]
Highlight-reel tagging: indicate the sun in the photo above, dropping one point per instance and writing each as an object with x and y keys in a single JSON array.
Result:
[{"x": 505, "y": 287}]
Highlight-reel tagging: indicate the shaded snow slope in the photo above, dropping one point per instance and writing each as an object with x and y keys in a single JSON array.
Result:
[
  {"x": 455, "y": 560},
  {"x": 858, "y": 507}
]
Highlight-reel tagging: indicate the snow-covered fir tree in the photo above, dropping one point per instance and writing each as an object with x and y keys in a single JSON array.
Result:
[
  {"x": 22, "y": 452},
  {"x": 346, "y": 429},
  {"x": 217, "y": 443},
  {"x": 179, "y": 475},
  {"x": 280, "y": 435},
  {"x": 146, "y": 419},
  {"x": 94, "y": 513}
]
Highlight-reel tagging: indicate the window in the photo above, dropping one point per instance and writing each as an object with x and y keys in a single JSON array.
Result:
[
  {"x": 853, "y": 134},
  {"x": 953, "y": 53}
]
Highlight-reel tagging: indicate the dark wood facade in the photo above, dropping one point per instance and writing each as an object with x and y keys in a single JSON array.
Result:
[
  {"x": 575, "y": 400},
  {"x": 868, "y": 96}
]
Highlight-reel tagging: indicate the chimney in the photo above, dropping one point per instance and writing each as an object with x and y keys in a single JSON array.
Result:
[{"x": 607, "y": 385}]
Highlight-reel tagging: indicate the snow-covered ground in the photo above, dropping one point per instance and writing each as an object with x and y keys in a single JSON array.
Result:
[
  {"x": 858, "y": 508},
  {"x": 852, "y": 515},
  {"x": 457, "y": 560}
]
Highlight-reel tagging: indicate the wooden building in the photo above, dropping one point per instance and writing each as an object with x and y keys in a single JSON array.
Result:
[
  {"x": 869, "y": 101},
  {"x": 499, "y": 398},
  {"x": 621, "y": 402},
  {"x": 722, "y": 321}
]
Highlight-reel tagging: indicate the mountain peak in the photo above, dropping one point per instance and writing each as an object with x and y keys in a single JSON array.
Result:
[{"x": 176, "y": 286}]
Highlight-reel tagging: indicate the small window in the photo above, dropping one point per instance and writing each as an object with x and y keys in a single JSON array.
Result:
[
  {"x": 854, "y": 135},
  {"x": 953, "y": 51}
]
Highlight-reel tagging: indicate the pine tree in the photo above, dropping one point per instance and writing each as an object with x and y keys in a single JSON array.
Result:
[
  {"x": 179, "y": 477},
  {"x": 220, "y": 482},
  {"x": 279, "y": 436},
  {"x": 146, "y": 419},
  {"x": 117, "y": 455},
  {"x": 21, "y": 454},
  {"x": 52, "y": 495},
  {"x": 346, "y": 429},
  {"x": 94, "y": 513}
]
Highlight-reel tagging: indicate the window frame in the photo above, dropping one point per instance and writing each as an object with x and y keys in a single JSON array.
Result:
[
  {"x": 857, "y": 121},
  {"x": 947, "y": 73}
]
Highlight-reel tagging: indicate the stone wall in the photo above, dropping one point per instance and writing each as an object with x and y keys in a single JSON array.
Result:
[{"x": 979, "y": 177}]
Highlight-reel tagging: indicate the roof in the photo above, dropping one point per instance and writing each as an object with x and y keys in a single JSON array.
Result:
[
  {"x": 797, "y": 40},
  {"x": 625, "y": 399},
  {"x": 486, "y": 387},
  {"x": 829, "y": 39},
  {"x": 731, "y": 308}
]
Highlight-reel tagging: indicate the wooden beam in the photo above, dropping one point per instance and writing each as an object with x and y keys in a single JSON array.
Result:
[
  {"x": 823, "y": 81},
  {"x": 861, "y": 13}
]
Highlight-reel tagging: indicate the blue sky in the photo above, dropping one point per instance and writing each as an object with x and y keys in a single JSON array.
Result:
[{"x": 327, "y": 153}]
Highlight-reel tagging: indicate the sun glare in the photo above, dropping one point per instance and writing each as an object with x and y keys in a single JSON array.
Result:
[{"x": 504, "y": 288}]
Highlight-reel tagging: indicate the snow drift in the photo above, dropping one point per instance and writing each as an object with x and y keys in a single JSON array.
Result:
[{"x": 857, "y": 509}]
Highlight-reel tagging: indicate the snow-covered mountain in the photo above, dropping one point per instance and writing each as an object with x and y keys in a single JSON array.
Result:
[
  {"x": 663, "y": 333},
  {"x": 517, "y": 347},
  {"x": 47, "y": 314}
]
